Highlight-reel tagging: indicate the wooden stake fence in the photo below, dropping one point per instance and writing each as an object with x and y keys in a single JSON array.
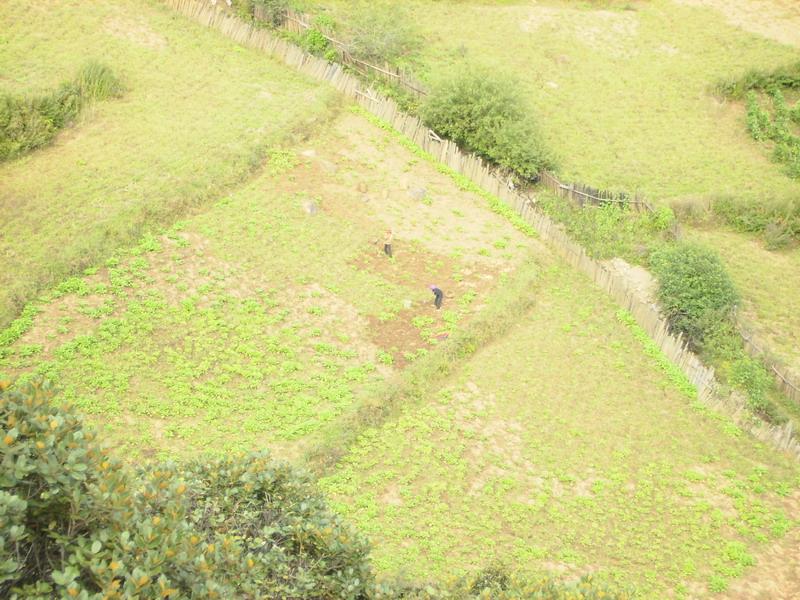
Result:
[
  {"x": 647, "y": 315},
  {"x": 583, "y": 194}
]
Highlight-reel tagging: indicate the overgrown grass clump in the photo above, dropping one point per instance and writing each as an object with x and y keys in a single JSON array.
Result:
[
  {"x": 486, "y": 114},
  {"x": 786, "y": 76},
  {"x": 611, "y": 230},
  {"x": 777, "y": 220},
  {"x": 30, "y": 122}
]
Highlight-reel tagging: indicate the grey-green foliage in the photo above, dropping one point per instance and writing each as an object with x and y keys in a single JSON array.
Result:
[
  {"x": 695, "y": 291},
  {"x": 486, "y": 114},
  {"x": 30, "y": 122},
  {"x": 381, "y": 34}
]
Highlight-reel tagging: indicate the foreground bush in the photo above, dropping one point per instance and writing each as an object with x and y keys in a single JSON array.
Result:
[
  {"x": 486, "y": 115},
  {"x": 27, "y": 123},
  {"x": 75, "y": 523},
  {"x": 695, "y": 291}
]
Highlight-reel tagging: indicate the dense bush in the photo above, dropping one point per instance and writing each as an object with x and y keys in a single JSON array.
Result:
[
  {"x": 695, "y": 291},
  {"x": 485, "y": 114},
  {"x": 27, "y": 123},
  {"x": 74, "y": 522}
]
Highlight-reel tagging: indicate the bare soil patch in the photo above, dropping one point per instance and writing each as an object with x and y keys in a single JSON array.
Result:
[
  {"x": 777, "y": 20},
  {"x": 776, "y": 575},
  {"x": 135, "y": 30}
]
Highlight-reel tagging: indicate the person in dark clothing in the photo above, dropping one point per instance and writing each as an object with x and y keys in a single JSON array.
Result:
[
  {"x": 438, "y": 295},
  {"x": 387, "y": 243}
]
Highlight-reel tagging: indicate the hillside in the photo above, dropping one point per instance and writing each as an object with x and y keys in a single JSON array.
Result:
[
  {"x": 204, "y": 263},
  {"x": 197, "y": 117},
  {"x": 624, "y": 93}
]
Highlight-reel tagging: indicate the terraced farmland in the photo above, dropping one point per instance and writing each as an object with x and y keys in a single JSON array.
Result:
[{"x": 205, "y": 269}]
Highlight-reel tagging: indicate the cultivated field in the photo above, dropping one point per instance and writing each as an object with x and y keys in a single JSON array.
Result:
[
  {"x": 565, "y": 446},
  {"x": 197, "y": 116},
  {"x": 623, "y": 93},
  {"x": 264, "y": 318}
]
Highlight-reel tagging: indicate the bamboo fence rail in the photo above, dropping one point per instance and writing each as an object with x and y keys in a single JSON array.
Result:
[{"x": 646, "y": 315}]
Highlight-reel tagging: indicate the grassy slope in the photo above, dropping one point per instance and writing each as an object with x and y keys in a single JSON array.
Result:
[
  {"x": 563, "y": 447},
  {"x": 623, "y": 97},
  {"x": 256, "y": 323},
  {"x": 772, "y": 281},
  {"x": 196, "y": 117}
]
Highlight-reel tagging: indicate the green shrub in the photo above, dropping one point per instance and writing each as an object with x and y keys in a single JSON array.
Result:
[
  {"x": 752, "y": 378},
  {"x": 314, "y": 42},
  {"x": 758, "y": 121},
  {"x": 75, "y": 522},
  {"x": 271, "y": 12},
  {"x": 30, "y": 123},
  {"x": 485, "y": 114},
  {"x": 244, "y": 9},
  {"x": 695, "y": 291}
]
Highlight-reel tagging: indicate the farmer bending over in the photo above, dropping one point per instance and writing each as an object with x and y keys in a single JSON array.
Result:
[{"x": 438, "y": 295}]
